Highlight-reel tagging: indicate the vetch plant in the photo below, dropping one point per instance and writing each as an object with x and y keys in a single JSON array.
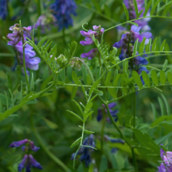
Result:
[{"x": 94, "y": 94}]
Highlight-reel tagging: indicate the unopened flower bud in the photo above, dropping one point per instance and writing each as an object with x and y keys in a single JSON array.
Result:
[
  {"x": 62, "y": 60},
  {"x": 76, "y": 63}
]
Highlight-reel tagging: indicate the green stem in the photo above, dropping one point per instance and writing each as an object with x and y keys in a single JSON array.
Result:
[
  {"x": 52, "y": 156},
  {"x": 121, "y": 134},
  {"x": 170, "y": 52},
  {"x": 82, "y": 136},
  {"x": 88, "y": 69},
  {"x": 24, "y": 60},
  {"x": 134, "y": 111},
  {"x": 134, "y": 159},
  {"x": 102, "y": 132},
  {"x": 137, "y": 19},
  {"x": 39, "y": 8},
  {"x": 64, "y": 41}
]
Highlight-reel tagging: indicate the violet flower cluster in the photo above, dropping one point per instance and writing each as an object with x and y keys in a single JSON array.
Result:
[
  {"x": 28, "y": 161},
  {"x": 166, "y": 165},
  {"x": 85, "y": 152},
  {"x": 15, "y": 40},
  {"x": 96, "y": 32},
  {"x": 127, "y": 44},
  {"x": 140, "y": 4},
  {"x": 103, "y": 110},
  {"x": 3, "y": 9},
  {"x": 62, "y": 11}
]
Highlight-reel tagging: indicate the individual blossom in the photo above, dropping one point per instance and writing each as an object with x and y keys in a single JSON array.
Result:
[
  {"x": 16, "y": 41},
  {"x": 96, "y": 32},
  {"x": 103, "y": 110},
  {"x": 85, "y": 152},
  {"x": 17, "y": 34},
  {"x": 44, "y": 22},
  {"x": 112, "y": 140},
  {"x": 63, "y": 11},
  {"x": 28, "y": 161},
  {"x": 19, "y": 143},
  {"x": 127, "y": 45},
  {"x": 91, "y": 54},
  {"x": 3, "y": 9},
  {"x": 166, "y": 165}
]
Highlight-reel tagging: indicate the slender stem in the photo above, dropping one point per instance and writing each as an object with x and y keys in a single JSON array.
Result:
[
  {"x": 102, "y": 132},
  {"x": 39, "y": 8},
  {"x": 52, "y": 156},
  {"x": 88, "y": 69},
  {"x": 134, "y": 160},
  {"x": 137, "y": 19},
  {"x": 64, "y": 41},
  {"x": 82, "y": 136},
  {"x": 141, "y": 55},
  {"x": 24, "y": 60},
  {"x": 121, "y": 134},
  {"x": 134, "y": 111}
]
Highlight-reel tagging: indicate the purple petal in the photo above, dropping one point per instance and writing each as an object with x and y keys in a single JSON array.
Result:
[
  {"x": 96, "y": 27},
  {"x": 34, "y": 163},
  {"x": 100, "y": 115},
  {"x": 33, "y": 147},
  {"x": 22, "y": 164},
  {"x": 91, "y": 54},
  {"x": 19, "y": 143},
  {"x": 112, "y": 105},
  {"x": 135, "y": 28},
  {"x": 162, "y": 168}
]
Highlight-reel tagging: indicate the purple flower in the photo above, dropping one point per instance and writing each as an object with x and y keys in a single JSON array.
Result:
[
  {"x": 62, "y": 11},
  {"x": 30, "y": 145},
  {"x": 85, "y": 152},
  {"x": 3, "y": 9},
  {"x": 127, "y": 44},
  {"x": 166, "y": 165},
  {"x": 44, "y": 21},
  {"x": 28, "y": 162},
  {"x": 91, "y": 54},
  {"x": 19, "y": 143},
  {"x": 15, "y": 38},
  {"x": 33, "y": 147},
  {"x": 104, "y": 110},
  {"x": 97, "y": 32}
]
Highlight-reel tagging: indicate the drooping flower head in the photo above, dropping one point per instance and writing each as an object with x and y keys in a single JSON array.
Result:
[
  {"x": 3, "y": 9},
  {"x": 127, "y": 44},
  {"x": 166, "y": 165},
  {"x": 103, "y": 110},
  {"x": 96, "y": 32},
  {"x": 85, "y": 152},
  {"x": 62, "y": 11},
  {"x": 15, "y": 40},
  {"x": 28, "y": 160}
]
